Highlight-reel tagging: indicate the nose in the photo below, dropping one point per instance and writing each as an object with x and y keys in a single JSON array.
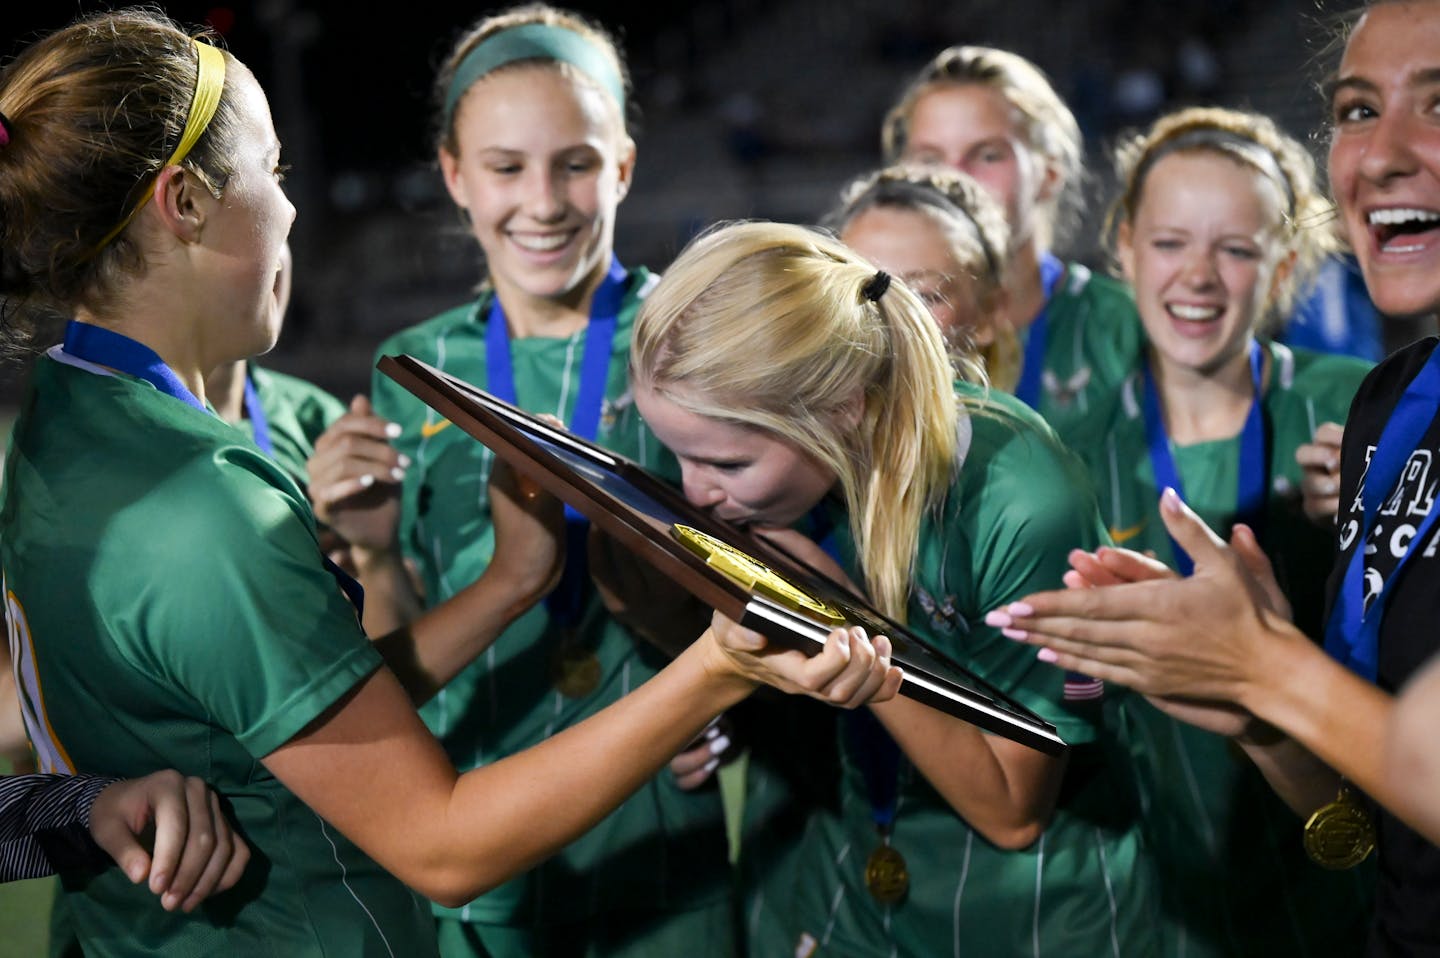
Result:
[
  {"x": 699, "y": 489},
  {"x": 1388, "y": 149},
  {"x": 544, "y": 195},
  {"x": 1200, "y": 269}
]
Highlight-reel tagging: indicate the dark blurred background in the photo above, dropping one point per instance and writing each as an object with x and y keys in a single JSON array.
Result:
[{"x": 746, "y": 108}]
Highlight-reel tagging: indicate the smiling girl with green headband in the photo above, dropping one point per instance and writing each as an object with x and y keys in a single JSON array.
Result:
[
  {"x": 166, "y": 597},
  {"x": 533, "y": 145}
]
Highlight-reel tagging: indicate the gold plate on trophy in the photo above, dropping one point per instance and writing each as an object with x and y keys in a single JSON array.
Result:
[{"x": 755, "y": 575}]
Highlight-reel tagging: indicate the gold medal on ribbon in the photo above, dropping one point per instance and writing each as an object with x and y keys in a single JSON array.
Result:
[
  {"x": 755, "y": 575},
  {"x": 574, "y": 670},
  {"x": 1341, "y": 834},
  {"x": 886, "y": 875}
]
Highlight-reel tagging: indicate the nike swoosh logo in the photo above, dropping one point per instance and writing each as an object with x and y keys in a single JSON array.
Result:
[
  {"x": 1122, "y": 536},
  {"x": 431, "y": 428}
]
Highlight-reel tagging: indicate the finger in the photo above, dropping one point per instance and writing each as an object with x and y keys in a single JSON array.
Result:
[
  {"x": 170, "y": 813},
  {"x": 875, "y": 676},
  {"x": 845, "y": 689},
  {"x": 114, "y": 834},
  {"x": 239, "y": 858},
  {"x": 1074, "y": 580},
  {"x": 199, "y": 844},
  {"x": 1322, "y": 458},
  {"x": 1128, "y": 565},
  {"x": 736, "y": 636},
  {"x": 822, "y": 669},
  {"x": 698, "y": 777},
  {"x": 1097, "y": 668},
  {"x": 1090, "y": 570},
  {"x": 1330, "y": 433},
  {"x": 218, "y": 862},
  {"x": 1190, "y": 531},
  {"x": 335, "y": 493}
]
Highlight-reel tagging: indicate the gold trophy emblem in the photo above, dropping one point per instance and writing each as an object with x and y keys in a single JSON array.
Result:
[{"x": 755, "y": 575}]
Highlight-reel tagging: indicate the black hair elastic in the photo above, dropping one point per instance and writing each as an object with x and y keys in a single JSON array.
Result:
[{"x": 876, "y": 286}]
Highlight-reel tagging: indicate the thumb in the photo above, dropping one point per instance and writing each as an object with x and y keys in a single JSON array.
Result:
[
  {"x": 1190, "y": 531},
  {"x": 120, "y": 844},
  {"x": 360, "y": 405}
]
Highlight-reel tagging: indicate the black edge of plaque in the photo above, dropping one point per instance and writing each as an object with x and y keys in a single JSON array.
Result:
[{"x": 638, "y": 509}]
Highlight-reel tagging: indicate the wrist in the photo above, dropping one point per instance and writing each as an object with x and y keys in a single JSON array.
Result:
[
  {"x": 370, "y": 560},
  {"x": 720, "y": 668}
]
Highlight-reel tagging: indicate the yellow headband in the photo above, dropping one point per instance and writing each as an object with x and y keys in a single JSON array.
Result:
[{"x": 209, "y": 84}]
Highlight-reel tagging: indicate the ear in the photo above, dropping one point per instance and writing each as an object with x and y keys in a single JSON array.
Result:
[
  {"x": 1050, "y": 180},
  {"x": 626, "y": 165},
  {"x": 1283, "y": 269},
  {"x": 454, "y": 179},
  {"x": 1125, "y": 250},
  {"x": 996, "y": 308},
  {"x": 849, "y": 413},
  {"x": 181, "y": 204}
]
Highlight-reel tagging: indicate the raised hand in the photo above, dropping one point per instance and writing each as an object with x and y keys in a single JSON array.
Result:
[
  {"x": 1319, "y": 462},
  {"x": 355, "y": 478}
]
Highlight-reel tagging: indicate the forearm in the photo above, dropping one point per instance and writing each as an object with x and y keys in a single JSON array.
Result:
[
  {"x": 1335, "y": 716},
  {"x": 370, "y": 769},
  {"x": 430, "y": 649},
  {"x": 391, "y": 601},
  {"x": 1002, "y": 790}
]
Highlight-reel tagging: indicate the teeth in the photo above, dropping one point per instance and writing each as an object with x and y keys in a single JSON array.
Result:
[
  {"x": 541, "y": 243},
  {"x": 1395, "y": 217},
  {"x": 1181, "y": 311}
]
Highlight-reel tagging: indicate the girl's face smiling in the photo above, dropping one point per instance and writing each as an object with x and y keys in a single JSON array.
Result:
[
  {"x": 1385, "y": 153},
  {"x": 912, "y": 245},
  {"x": 542, "y": 167},
  {"x": 1202, "y": 253},
  {"x": 741, "y": 474}
]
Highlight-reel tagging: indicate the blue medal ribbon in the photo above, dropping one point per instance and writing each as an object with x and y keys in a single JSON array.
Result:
[
  {"x": 1254, "y": 478},
  {"x": 1352, "y": 635},
  {"x": 105, "y": 347},
  {"x": 259, "y": 424},
  {"x": 1032, "y": 370},
  {"x": 567, "y": 602}
]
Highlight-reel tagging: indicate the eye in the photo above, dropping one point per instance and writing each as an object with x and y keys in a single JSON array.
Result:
[
  {"x": 281, "y": 170},
  {"x": 1352, "y": 110},
  {"x": 504, "y": 169},
  {"x": 1247, "y": 253},
  {"x": 1167, "y": 243}
]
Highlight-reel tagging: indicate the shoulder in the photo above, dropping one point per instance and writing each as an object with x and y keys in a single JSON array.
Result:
[
  {"x": 1014, "y": 460},
  {"x": 424, "y": 339},
  {"x": 1308, "y": 370},
  {"x": 1083, "y": 284}
]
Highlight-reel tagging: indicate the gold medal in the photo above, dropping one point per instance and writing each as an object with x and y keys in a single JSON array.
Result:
[
  {"x": 1341, "y": 834},
  {"x": 574, "y": 670},
  {"x": 886, "y": 875},
  {"x": 755, "y": 575}
]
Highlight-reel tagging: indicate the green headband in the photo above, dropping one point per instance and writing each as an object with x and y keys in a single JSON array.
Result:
[{"x": 534, "y": 41}]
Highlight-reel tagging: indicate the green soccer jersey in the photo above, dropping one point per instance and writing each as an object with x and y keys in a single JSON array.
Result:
[
  {"x": 1017, "y": 507},
  {"x": 1093, "y": 339},
  {"x": 664, "y": 848},
  {"x": 168, "y": 609},
  {"x": 296, "y": 414},
  {"x": 1234, "y": 875}
]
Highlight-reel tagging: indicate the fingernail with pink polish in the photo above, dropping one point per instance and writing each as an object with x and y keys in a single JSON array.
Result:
[
  {"x": 1048, "y": 655},
  {"x": 1019, "y": 635},
  {"x": 1020, "y": 609},
  {"x": 998, "y": 619}
]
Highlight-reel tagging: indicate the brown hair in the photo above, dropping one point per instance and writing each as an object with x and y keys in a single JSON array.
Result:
[
  {"x": 1049, "y": 126},
  {"x": 1256, "y": 142},
  {"x": 93, "y": 111},
  {"x": 975, "y": 228},
  {"x": 488, "y": 26}
]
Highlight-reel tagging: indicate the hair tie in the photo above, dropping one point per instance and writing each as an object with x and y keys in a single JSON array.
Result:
[
  {"x": 209, "y": 85},
  {"x": 876, "y": 286},
  {"x": 4, "y": 130}
]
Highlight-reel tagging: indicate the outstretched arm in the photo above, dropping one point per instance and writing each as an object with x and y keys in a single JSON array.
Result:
[
  {"x": 452, "y": 837},
  {"x": 1217, "y": 637}
]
